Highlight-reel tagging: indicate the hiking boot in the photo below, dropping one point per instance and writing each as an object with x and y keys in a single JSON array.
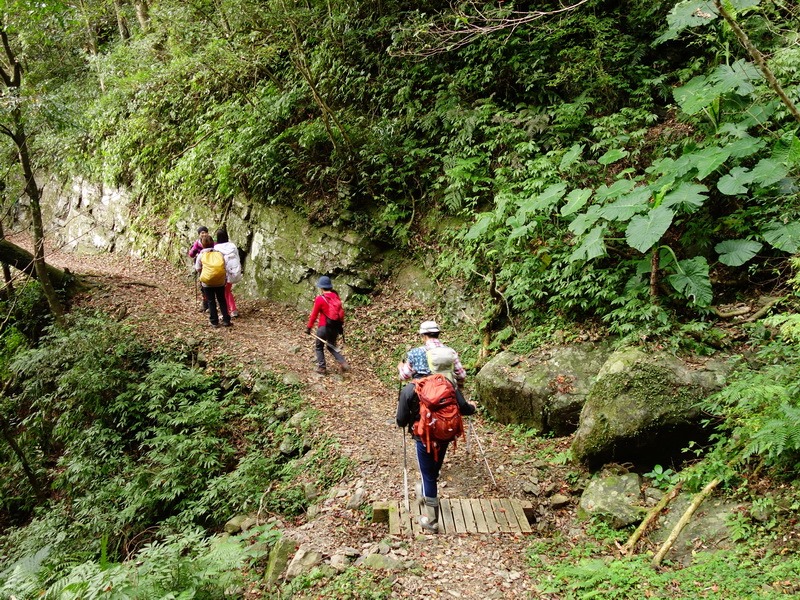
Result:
[
  {"x": 322, "y": 370},
  {"x": 227, "y": 324},
  {"x": 344, "y": 367},
  {"x": 430, "y": 522},
  {"x": 215, "y": 325}
]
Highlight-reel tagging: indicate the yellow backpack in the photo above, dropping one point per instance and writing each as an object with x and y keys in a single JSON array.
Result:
[{"x": 213, "y": 271}]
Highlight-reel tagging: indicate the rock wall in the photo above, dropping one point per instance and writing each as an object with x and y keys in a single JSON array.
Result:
[{"x": 283, "y": 254}]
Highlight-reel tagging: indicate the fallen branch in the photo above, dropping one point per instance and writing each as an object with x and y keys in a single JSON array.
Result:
[
  {"x": 729, "y": 314},
  {"x": 651, "y": 516},
  {"x": 684, "y": 520},
  {"x": 139, "y": 283},
  {"x": 763, "y": 310}
]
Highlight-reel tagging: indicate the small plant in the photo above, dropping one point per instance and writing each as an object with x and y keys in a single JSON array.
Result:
[{"x": 662, "y": 478}]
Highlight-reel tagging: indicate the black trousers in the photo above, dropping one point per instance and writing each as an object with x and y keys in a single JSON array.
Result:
[{"x": 214, "y": 296}]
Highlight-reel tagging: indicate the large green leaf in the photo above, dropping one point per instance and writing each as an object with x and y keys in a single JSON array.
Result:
[
  {"x": 570, "y": 156},
  {"x": 695, "y": 94},
  {"x": 612, "y": 156},
  {"x": 743, "y": 4},
  {"x": 690, "y": 13},
  {"x": 787, "y": 149},
  {"x": 783, "y": 236},
  {"x": 745, "y": 146},
  {"x": 592, "y": 246},
  {"x": 688, "y": 196},
  {"x": 546, "y": 200},
  {"x": 709, "y": 160},
  {"x": 700, "y": 91},
  {"x": 584, "y": 221},
  {"x": 624, "y": 208},
  {"x": 480, "y": 226},
  {"x": 768, "y": 172},
  {"x": 737, "y": 77},
  {"x": 616, "y": 189},
  {"x": 735, "y": 253},
  {"x": 735, "y": 182},
  {"x": 576, "y": 200},
  {"x": 692, "y": 281},
  {"x": 644, "y": 231}
]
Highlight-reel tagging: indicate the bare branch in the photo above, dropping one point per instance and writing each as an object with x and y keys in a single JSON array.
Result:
[{"x": 442, "y": 36}]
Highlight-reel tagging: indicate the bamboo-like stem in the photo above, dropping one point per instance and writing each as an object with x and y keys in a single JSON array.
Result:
[{"x": 684, "y": 520}]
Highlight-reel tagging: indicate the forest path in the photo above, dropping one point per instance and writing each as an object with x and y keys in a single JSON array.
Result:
[{"x": 358, "y": 409}]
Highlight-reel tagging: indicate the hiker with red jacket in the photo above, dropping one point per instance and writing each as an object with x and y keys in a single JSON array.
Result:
[
  {"x": 431, "y": 451},
  {"x": 214, "y": 287},
  {"x": 416, "y": 365},
  {"x": 328, "y": 309}
]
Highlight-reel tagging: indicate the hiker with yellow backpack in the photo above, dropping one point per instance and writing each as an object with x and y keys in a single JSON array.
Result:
[{"x": 210, "y": 264}]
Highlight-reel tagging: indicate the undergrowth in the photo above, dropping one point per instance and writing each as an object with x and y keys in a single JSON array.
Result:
[
  {"x": 129, "y": 453},
  {"x": 594, "y": 569}
]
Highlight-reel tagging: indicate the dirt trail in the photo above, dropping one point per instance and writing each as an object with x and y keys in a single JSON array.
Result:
[{"x": 161, "y": 301}]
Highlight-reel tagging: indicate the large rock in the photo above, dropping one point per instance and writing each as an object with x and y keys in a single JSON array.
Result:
[
  {"x": 545, "y": 392},
  {"x": 278, "y": 560},
  {"x": 616, "y": 498},
  {"x": 707, "y": 531},
  {"x": 643, "y": 409},
  {"x": 283, "y": 254}
]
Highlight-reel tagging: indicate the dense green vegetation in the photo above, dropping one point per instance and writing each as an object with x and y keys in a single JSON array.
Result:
[
  {"x": 627, "y": 166},
  {"x": 622, "y": 162},
  {"x": 114, "y": 450}
]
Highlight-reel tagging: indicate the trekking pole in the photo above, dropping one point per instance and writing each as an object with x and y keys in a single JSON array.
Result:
[
  {"x": 405, "y": 471},
  {"x": 483, "y": 454},
  {"x": 327, "y": 343},
  {"x": 405, "y": 455}
]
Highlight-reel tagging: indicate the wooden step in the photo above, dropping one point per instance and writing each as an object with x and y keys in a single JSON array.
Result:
[{"x": 458, "y": 515}]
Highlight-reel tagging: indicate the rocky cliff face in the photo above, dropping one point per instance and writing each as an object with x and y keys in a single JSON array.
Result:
[{"x": 283, "y": 254}]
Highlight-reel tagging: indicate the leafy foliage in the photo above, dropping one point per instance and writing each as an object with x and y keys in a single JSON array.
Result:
[{"x": 138, "y": 447}]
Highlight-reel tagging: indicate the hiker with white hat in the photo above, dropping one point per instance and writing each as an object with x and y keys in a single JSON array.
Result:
[
  {"x": 417, "y": 362},
  {"x": 431, "y": 408}
]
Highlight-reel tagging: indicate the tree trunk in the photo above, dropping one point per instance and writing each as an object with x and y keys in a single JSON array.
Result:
[
  {"x": 122, "y": 24},
  {"x": 22, "y": 260},
  {"x": 756, "y": 55},
  {"x": 142, "y": 14},
  {"x": 26, "y": 467},
  {"x": 34, "y": 194},
  {"x": 12, "y": 79},
  {"x": 9, "y": 287},
  {"x": 38, "y": 489},
  {"x": 91, "y": 41}
]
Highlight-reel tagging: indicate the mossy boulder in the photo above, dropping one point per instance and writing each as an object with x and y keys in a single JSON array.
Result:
[
  {"x": 617, "y": 498},
  {"x": 708, "y": 530},
  {"x": 544, "y": 391},
  {"x": 643, "y": 409}
]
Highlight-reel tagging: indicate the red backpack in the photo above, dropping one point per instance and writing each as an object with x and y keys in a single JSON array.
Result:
[
  {"x": 439, "y": 416},
  {"x": 334, "y": 313}
]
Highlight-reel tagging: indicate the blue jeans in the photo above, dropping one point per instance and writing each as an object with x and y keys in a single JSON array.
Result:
[{"x": 429, "y": 468}]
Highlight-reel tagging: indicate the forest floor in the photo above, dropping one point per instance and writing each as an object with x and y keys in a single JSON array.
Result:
[{"x": 358, "y": 410}]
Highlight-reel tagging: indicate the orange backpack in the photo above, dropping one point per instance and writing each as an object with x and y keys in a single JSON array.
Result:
[{"x": 439, "y": 416}]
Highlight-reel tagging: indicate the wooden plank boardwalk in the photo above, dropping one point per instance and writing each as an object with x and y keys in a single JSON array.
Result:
[{"x": 458, "y": 515}]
